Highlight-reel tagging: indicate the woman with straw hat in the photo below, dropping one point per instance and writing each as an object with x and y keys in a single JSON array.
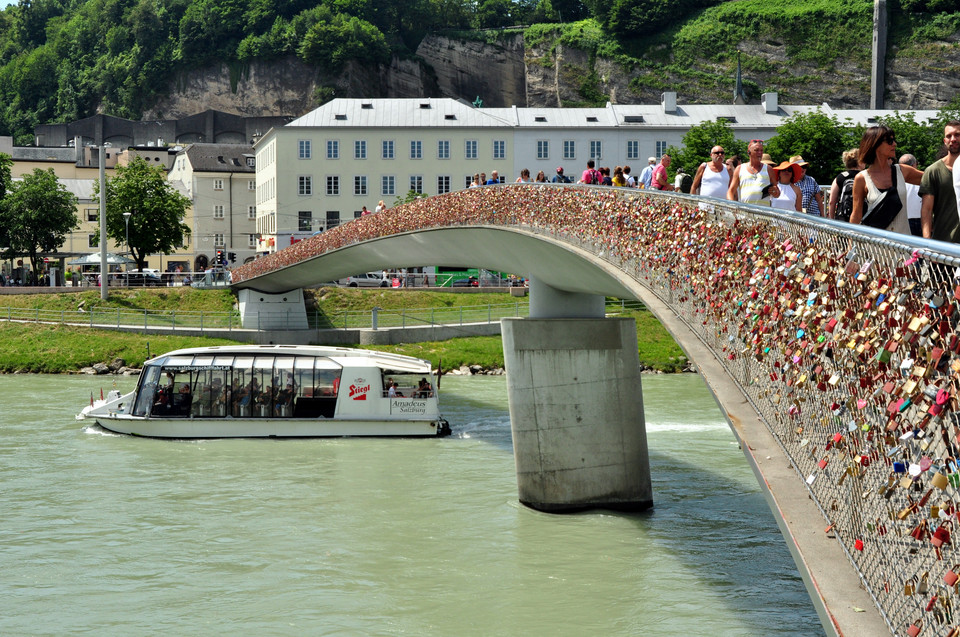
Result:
[{"x": 790, "y": 197}]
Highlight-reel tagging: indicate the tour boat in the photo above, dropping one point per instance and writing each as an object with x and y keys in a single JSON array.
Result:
[{"x": 247, "y": 391}]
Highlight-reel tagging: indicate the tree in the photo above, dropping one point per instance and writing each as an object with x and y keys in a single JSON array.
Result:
[
  {"x": 38, "y": 214},
  {"x": 819, "y": 138},
  {"x": 699, "y": 140},
  {"x": 156, "y": 210}
]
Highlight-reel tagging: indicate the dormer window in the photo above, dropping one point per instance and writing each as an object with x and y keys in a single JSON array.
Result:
[
  {"x": 424, "y": 104},
  {"x": 592, "y": 119},
  {"x": 366, "y": 105},
  {"x": 633, "y": 119},
  {"x": 340, "y": 116},
  {"x": 730, "y": 119},
  {"x": 540, "y": 118}
]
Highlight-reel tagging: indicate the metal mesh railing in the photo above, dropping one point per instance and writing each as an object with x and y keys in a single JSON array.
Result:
[{"x": 845, "y": 339}]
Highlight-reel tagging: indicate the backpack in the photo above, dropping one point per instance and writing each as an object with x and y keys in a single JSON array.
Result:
[
  {"x": 593, "y": 177},
  {"x": 686, "y": 182},
  {"x": 845, "y": 200}
]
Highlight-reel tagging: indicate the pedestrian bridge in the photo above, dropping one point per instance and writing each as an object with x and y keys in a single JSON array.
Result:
[{"x": 833, "y": 350}]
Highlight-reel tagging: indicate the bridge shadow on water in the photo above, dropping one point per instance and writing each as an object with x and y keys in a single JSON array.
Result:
[{"x": 710, "y": 540}]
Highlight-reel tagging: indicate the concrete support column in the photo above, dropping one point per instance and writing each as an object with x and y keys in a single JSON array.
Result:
[
  {"x": 549, "y": 302},
  {"x": 576, "y": 414},
  {"x": 878, "y": 69},
  {"x": 262, "y": 311}
]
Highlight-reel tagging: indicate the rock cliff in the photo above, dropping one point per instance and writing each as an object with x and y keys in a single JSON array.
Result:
[{"x": 507, "y": 72}]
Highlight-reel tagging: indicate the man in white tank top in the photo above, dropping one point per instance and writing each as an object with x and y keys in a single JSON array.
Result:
[
  {"x": 753, "y": 182},
  {"x": 713, "y": 177}
]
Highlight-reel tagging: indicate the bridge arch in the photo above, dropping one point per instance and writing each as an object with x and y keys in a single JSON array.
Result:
[{"x": 834, "y": 351}]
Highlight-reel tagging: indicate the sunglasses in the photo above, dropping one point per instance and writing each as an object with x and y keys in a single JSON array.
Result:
[
  {"x": 716, "y": 152},
  {"x": 890, "y": 138}
]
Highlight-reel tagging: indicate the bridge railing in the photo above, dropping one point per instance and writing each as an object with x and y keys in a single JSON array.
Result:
[{"x": 845, "y": 339}]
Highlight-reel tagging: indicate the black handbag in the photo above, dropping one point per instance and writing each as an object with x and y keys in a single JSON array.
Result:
[{"x": 886, "y": 208}]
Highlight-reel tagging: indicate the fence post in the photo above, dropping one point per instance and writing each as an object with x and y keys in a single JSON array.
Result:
[
  {"x": 461, "y": 316},
  {"x": 488, "y": 313},
  {"x": 201, "y": 321},
  {"x": 173, "y": 320},
  {"x": 403, "y": 317},
  {"x": 373, "y": 318},
  {"x": 118, "y": 317},
  {"x": 91, "y": 317},
  {"x": 144, "y": 321},
  {"x": 38, "y": 316},
  {"x": 432, "y": 322}
]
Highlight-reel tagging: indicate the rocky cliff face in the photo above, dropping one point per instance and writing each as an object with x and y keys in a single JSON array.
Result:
[{"x": 508, "y": 72}]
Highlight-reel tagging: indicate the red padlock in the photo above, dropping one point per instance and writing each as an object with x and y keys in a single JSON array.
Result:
[
  {"x": 914, "y": 628},
  {"x": 951, "y": 576},
  {"x": 941, "y": 536}
]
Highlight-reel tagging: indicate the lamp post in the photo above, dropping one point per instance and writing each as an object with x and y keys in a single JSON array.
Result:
[{"x": 126, "y": 221}]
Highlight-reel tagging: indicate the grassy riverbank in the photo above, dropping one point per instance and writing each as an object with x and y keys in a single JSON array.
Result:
[{"x": 27, "y": 347}]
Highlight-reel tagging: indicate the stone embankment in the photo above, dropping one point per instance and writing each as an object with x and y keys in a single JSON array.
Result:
[{"x": 118, "y": 368}]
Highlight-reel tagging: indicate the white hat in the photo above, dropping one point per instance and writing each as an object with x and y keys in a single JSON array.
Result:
[{"x": 651, "y": 160}]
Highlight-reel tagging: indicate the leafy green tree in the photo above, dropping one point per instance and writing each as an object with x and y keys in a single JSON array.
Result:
[
  {"x": 921, "y": 140},
  {"x": 343, "y": 38},
  {"x": 411, "y": 196},
  {"x": 493, "y": 14},
  {"x": 819, "y": 138},
  {"x": 156, "y": 210},
  {"x": 697, "y": 144},
  {"x": 38, "y": 214}
]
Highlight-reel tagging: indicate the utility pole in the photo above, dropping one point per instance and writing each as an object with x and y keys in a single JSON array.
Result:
[
  {"x": 879, "y": 66},
  {"x": 104, "y": 275}
]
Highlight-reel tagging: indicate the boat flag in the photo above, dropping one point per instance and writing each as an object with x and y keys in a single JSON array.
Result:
[
  {"x": 91, "y": 399},
  {"x": 101, "y": 393},
  {"x": 439, "y": 371}
]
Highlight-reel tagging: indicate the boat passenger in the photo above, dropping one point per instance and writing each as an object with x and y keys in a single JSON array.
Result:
[{"x": 424, "y": 389}]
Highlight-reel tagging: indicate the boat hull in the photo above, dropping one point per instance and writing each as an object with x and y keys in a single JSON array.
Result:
[{"x": 260, "y": 428}]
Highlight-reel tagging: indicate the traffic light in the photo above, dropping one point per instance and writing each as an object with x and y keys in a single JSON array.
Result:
[
  {"x": 219, "y": 257},
  {"x": 232, "y": 256}
]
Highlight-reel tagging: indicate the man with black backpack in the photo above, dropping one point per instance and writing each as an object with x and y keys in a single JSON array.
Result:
[
  {"x": 841, "y": 192},
  {"x": 591, "y": 175}
]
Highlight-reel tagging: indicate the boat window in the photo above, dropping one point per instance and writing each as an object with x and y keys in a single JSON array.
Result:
[
  {"x": 262, "y": 387},
  {"x": 241, "y": 390},
  {"x": 285, "y": 387},
  {"x": 174, "y": 394},
  {"x": 148, "y": 390},
  {"x": 408, "y": 385},
  {"x": 212, "y": 384}
]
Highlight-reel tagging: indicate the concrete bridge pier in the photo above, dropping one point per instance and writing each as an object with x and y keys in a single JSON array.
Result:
[
  {"x": 263, "y": 311},
  {"x": 576, "y": 406}
]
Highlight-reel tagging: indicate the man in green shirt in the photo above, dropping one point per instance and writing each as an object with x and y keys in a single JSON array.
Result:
[{"x": 938, "y": 213}]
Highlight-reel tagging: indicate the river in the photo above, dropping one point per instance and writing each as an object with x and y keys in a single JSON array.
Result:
[{"x": 114, "y": 535}]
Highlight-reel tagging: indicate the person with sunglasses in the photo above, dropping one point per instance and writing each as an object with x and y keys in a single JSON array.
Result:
[
  {"x": 879, "y": 190},
  {"x": 713, "y": 177},
  {"x": 753, "y": 182},
  {"x": 938, "y": 210}
]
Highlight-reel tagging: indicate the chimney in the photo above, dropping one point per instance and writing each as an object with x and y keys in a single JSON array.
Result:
[
  {"x": 668, "y": 99},
  {"x": 769, "y": 101}
]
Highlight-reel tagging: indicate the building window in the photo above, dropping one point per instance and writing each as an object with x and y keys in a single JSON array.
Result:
[
  {"x": 218, "y": 184},
  {"x": 499, "y": 149},
  {"x": 92, "y": 240},
  {"x": 360, "y": 149},
  {"x": 596, "y": 149},
  {"x": 543, "y": 149},
  {"x": 569, "y": 149},
  {"x": 304, "y": 149},
  {"x": 333, "y": 218},
  {"x": 93, "y": 214},
  {"x": 416, "y": 150},
  {"x": 443, "y": 184},
  {"x": 251, "y": 162},
  {"x": 388, "y": 149},
  {"x": 304, "y": 220},
  {"x": 661, "y": 148},
  {"x": 471, "y": 149},
  {"x": 333, "y": 149},
  {"x": 467, "y": 181},
  {"x": 388, "y": 185},
  {"x": 443, "y": 149},
  {"x": 357, "y": 214},
  {"x": 416, "y": 184},
  {"x": 633, "y": 149},
  {"x": 218, "y": 240},
  {"x": 218, "y": 211},
  {"x": 251, "y": 212},
  {"x": 333, "y": 185},
  {"x": 251, "y": 185},
  {"x": 305, "y": 185},
  {"x": 251, "y": 241},
  {"x": 360, "y": 185}
]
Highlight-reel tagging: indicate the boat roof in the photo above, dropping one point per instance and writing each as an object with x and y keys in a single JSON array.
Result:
[{"x": 343, "y": 356}]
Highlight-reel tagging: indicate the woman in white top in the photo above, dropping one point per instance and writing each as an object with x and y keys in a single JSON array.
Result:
[
  {"x": 879, "y": 191},
  {"x": 790, "y": 196},
  {"x": 713, "y": 177}
]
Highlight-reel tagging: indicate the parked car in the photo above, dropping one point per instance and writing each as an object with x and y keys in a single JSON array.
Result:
[
  {"x": 469, "y": 282},
  {"x": 135, "y": 278},
  {"x": 366, "y": 280}
]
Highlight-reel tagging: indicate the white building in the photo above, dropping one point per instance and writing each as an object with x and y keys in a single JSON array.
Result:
[{"x": 220, "y": 180}]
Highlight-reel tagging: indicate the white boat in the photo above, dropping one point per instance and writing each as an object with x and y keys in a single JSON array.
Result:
[{"x": 247, "y": 391}]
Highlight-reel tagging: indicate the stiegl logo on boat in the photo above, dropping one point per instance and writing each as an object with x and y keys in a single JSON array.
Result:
[{"x": 359, "y": 391}]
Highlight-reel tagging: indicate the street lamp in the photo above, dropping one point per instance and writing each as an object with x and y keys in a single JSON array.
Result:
[{"x": 126, "y": 220}]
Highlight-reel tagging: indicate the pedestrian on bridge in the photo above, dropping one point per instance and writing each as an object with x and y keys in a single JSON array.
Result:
[
  {"x": 938, "y": 213},
  {"x": 879, "y": 191},
  {"x": 753, "y": 182}
]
